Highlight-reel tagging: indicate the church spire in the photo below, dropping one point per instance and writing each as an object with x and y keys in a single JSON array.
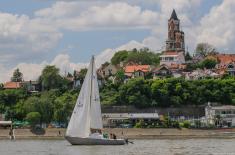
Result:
[{"x": 173, "y": 15}]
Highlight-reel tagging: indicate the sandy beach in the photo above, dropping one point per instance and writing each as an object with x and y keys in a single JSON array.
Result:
[{"x": 131, "y": 133}]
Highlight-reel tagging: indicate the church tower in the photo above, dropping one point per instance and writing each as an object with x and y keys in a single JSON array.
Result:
[{"x": 175, "y": 41}]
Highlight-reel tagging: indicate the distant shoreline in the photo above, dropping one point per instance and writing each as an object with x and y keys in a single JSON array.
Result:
[{"x": 130, "y": 133}]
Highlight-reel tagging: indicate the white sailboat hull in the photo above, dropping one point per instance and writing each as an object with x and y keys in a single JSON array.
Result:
[{"x": 92, "y": 141}]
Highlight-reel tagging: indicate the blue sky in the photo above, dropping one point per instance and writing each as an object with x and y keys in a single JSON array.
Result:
[{"x": 66, "y": 33}]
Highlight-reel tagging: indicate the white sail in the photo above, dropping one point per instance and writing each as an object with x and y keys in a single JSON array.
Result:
[
  {"x": 96, "y": 118},
  {"x": 86, "y": 117},
  {"x": 80, "y": 121}
]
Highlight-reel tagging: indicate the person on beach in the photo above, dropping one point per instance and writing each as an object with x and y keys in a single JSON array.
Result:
[
  {"x": 11, "y": 134},
  {"x": 114, "y": 136}
]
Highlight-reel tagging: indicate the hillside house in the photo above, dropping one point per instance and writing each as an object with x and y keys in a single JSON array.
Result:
[
  {"x": 221, "y": 116},
  {"x": 135, "y": 71},
  {"x": 107, "y": 70},
  {"x": 231, "y": 69},
  {"x": 201, "y": 74},
  {"x": 30, "y": 86},
  {"x": 171, "y": 58},
  {"x": 226, "y": 63},
  {"x": 13, "y": 85},
  {"x": 161, "y": 72}
]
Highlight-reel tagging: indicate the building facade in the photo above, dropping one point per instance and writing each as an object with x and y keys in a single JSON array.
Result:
[
  {"x": 170, "y": 58},
  {"x": 175, "y": 44},
  {"x": 135, "y": 71},
  {"x": 175, "y": 39},
  {"x": 220, "y": 116}
]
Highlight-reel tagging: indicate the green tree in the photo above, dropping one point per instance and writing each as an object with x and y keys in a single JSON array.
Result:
[
  {"x": 120, "y": 76},
  {"x": 188, "y": 56},
  {"x": 205, "y": 49},
  {"x": 143, "y": 56},
  {"x": 63, "y": 107},
  {"x": 46, "y": 106},
  {"x": 33, "y": 118},
  {"x": 50, "y": 78},
  {"x": 82, "y": 74},
  {"x": 109, "y": 94},
  {"x": 119, "y": 57},
  {"x": 208, "y": 63},
  {"x": 43, "y": 103},
  {"x": 136, "y": 92},
  {"x": 17, "y": 76}
]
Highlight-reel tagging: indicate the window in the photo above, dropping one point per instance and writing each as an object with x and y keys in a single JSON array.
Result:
[{"x": 230, "y": 66}]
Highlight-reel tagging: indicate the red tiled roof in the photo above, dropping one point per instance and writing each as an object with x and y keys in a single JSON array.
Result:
[
  {"x": 160, "y": 67},
  {"x": 131, "y": 69},
  {"x": 226, "y": 58},
  {"x": 12, "y": 85},
  {"x": 177, "y": 66},
  {"x": 170, "y": 53}
]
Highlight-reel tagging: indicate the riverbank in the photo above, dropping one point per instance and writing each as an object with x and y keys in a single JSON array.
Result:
[{"x": 131, "y": 133}]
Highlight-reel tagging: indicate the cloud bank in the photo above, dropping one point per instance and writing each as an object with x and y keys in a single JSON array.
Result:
[{"x": 24, "y": 38}]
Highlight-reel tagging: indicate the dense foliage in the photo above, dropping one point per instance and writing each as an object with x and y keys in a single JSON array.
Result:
[
  {"x": 33, "y": 118},
  {"x": 205, "y": 64},
  {"x": 51, "y": 79},
  {"x": 169, "y": 92},
  {"x": 142, "y": 56}
]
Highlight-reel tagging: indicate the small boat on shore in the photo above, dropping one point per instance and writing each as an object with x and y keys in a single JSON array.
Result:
[{"x": 85, "y": 125}]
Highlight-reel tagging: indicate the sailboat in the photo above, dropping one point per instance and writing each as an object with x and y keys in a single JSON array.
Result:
[{"x": 85, "y": 125}]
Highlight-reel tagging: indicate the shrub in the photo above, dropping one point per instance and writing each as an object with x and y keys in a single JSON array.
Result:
[
  {"x": 33, "y": 118},
  {"x": 186, "y": 124},
  {"x": 139, "y": 124}
]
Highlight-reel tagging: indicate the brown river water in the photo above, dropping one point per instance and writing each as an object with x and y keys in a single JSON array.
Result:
[{"x": 140, "y": 147}]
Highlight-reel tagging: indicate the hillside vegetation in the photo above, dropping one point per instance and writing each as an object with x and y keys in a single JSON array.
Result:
[
  {"x": 58, "y": 96},
  {"x": 142, "y": 56}
]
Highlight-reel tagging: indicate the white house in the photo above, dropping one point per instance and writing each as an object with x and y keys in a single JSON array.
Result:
[
  {"x": 221, "y": 116},
  {"x": 172, "y": 57}
]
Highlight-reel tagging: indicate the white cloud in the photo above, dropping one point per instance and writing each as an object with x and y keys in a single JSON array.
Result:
[
  {"x": 217, "y": 27},
  {"x": 112, "y": 15},
  {"x": 107, "y": 54},
  {"x": 32, "y": 71},
  {"x": 22, "y": 37}
]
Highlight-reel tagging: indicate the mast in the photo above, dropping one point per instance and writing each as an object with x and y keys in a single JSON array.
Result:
[
  {"x": 91, "y": 84},
  {"x": 92, "y": 65}
]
